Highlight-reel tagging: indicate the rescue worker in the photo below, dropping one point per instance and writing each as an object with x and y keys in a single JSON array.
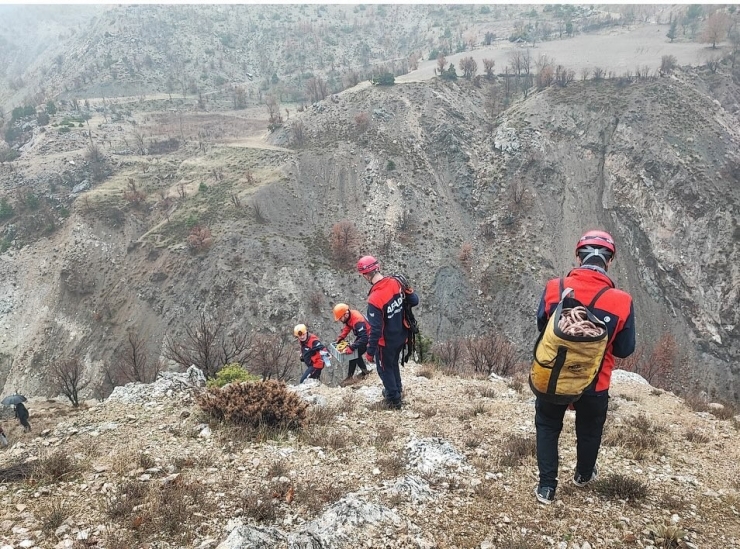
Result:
[
  {"x": 313, "y": 353},
  {"x": 595, "y": 252},
  {"x": 388, "y": 331},
  {"x": 354, "y": 322}
]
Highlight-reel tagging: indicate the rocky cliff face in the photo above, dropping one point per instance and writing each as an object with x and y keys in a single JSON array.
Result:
[{"x": 431, "y": 174}]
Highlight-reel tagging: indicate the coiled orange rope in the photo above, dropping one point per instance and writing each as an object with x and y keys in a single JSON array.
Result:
[{"x": 575, "y": 322}]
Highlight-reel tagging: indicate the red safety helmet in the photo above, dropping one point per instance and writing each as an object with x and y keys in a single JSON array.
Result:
[
  {"x": 367, "y": 264},
  {"x": 597, "y": 239}
]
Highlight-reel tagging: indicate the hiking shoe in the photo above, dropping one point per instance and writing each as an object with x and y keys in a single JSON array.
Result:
[
  {"x": 392, "y": 404},
  {"x": 581, "y": 481},
  {"x": 544, "y": 494}
]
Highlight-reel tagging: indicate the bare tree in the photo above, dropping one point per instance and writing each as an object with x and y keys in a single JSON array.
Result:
[
  {"x": 491, "y": 353},
  {"x": 273, "y": 111},
  {"x": 139, "y": 139},
  {"x": 271, "y": 357},
  {"x": 734, "y": 37},
  {"x": 642, "y": 71},
  {"x": 667, "y": 64},
  {"x": 469, "y": 67},
  {"x": 316, "y": 89},
  {"x": 414, "y": 61},
  {"x": 449, "y": 353},
  {"x": 715, "y": 28},
  {"x": 344, "y": 240},
  {"x": 488, "y": 65},
  {"x": 526, "y": 61},
  {"x": 239, "y": 97},
  {"x": 441, "y": 62},
  {"x": 564, "y": 76},
  {"x": 298, "y": 132},
  {"x": 517, "y": 62},
  {"x": 208, "y": 346},
  {"x": 135, "y": 363},
  {"x": 67, "y": 377},
  {"x": 713, "y": 62}
]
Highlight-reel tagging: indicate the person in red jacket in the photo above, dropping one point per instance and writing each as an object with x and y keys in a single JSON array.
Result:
[
  {"x": 313, "y": 353},
  {"x": 595, "y": 252},
  {"x": 354, "y": 322},
  {"x": 388, "y": 328}
]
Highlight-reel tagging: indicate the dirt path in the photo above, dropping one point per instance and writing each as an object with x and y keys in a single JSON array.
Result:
[{"x": 253, "y": 142}]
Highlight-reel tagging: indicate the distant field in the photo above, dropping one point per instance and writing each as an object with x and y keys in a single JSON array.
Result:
[{"x": 618, "y": 50}]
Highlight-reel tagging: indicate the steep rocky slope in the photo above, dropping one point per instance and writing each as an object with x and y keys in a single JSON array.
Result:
[
  {"x": 455, "y": 468},
  {"x": 431, "y": 173}
]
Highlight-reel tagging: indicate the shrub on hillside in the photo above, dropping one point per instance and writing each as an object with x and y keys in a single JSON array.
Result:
[
  {"x": 264, "y": 403},
  {"x": 232, "y": 373},
  {"x": 344, "y": 240},
  {"x": 8, "y": 155},
  {"x": 616, "y": 486},
  {"x": 199, "y": 238},
  {"x": 362, "y": 121}
]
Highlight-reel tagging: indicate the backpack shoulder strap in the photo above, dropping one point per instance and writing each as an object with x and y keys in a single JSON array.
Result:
[{"x": 598, "y": 295}]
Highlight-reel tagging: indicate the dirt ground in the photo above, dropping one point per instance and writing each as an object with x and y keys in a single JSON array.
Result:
[{"x": 617, "y": 49}]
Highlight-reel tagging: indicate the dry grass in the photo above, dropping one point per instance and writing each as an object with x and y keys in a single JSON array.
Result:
[
  {"x": 55, "y": 467},
  {"x": 146, "y": 461},
  {"x": 428, "y": 411},
  {"x": 391, "y": 466},
  {"x": 51, "y": 514},
  {"x": 262, "y": 508},
  {"x": 16, "y": 472},
  {"x": 277, "y": 469},
  {"x": 384, "y": 438},
  {"x": 517, "y": 449},
  {"x": 640, "y": 435},
  {"x": 696, "y": 437},
  {"x": 119, "y": 504},
  {"x": 488, "y": 392},
  {"x": 426, "y": 370},
  {"x": 726, "y": 411},
  {"x": 622, "y": 487},
  {"x": 322, "y": 415},
  {"x": 315, "y": 496},
  {"x": 517, "y": 384}
]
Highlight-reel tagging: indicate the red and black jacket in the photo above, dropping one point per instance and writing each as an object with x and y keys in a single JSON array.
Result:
[
  {"x": 614, "y": 307},
  {"x": 310, "y": 352},
  {"x": 385, "y": 314},
  {"x": 358, "y": 325}
]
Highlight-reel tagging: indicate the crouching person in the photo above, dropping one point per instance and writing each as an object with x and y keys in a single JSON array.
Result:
[{"x": 313, "y": 353}]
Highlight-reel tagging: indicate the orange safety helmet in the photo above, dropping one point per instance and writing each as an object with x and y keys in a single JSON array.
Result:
[{"x": 340, "y": 309}]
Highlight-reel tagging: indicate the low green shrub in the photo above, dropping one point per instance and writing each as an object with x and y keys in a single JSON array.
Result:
[{"x": 232, "y": 373}]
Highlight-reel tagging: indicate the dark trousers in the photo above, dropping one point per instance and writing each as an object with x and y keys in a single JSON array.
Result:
[
  {"x": 313, "y": 373},
  {"x": 390, "y": 372},
  {"x": 355, "y": 362},
  {"x": 548, "y": 419}
]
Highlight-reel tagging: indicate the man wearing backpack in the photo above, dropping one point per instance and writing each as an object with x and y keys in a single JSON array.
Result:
[
  {"x": 389, "y": 330},
  {"x": 595, "y": 252}
]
